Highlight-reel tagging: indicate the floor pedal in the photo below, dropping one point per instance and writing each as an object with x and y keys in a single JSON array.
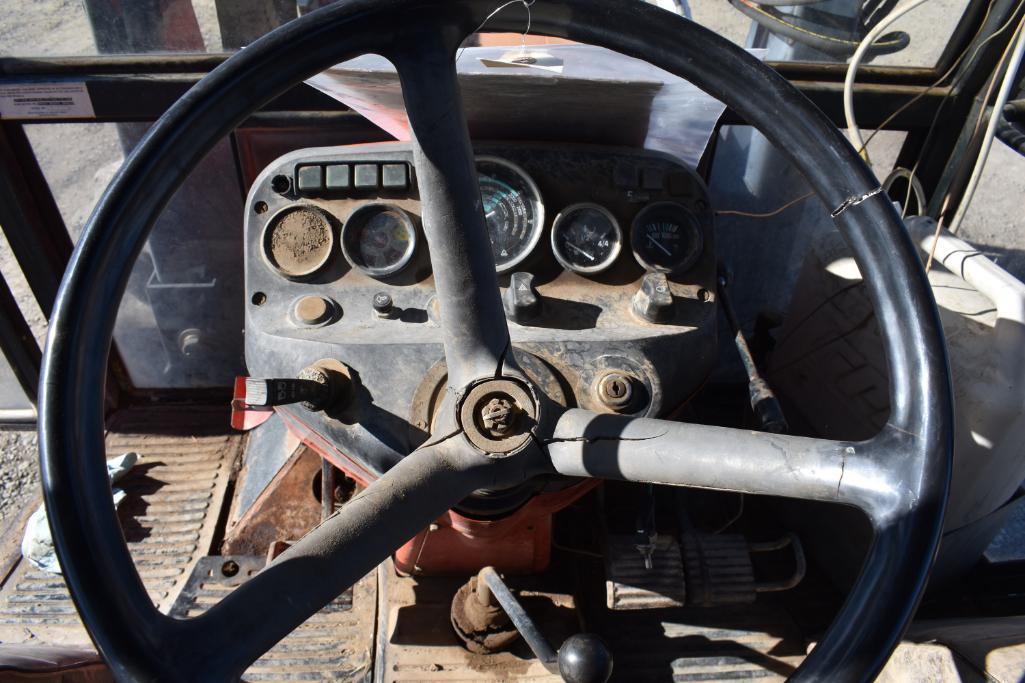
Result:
[{"x": 631, "y": 585}]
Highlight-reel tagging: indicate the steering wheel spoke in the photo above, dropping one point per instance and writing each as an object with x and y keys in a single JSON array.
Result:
[
  {"x": 587, "y": 444},
  {"x": 475, "y": 331},
  {"x": 222, "y": 642}
]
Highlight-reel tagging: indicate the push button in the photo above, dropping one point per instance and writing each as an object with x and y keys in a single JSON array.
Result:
[
  {"x": 367, "y": 177},
  {"x": 652, "y": 179},
  {"x": 339, "y": 177},
  {"x": 395, "y": 176},
  {"x": 310, "y": 179}
]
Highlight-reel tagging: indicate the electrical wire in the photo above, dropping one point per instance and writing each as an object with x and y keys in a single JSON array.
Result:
[
  {"x": 1010, "y": 77},
  {"x": 913, "y": 177},
  {"x": 853, "y": 132},
  {"x": 978, "y": 122},
  {"x": 957, "y": 62},
  {"x": 767, "y": 214},
  {"x": 904, "y": 107}
]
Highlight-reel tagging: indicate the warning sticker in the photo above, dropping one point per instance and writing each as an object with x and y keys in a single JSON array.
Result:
[{"x": 45, "y": 101}]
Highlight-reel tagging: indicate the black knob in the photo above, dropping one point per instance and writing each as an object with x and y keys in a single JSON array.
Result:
[
  {"x": 383, "y": 304},
  {"x": 521, "y": 301},
  {"x": 584, "y": 658}
]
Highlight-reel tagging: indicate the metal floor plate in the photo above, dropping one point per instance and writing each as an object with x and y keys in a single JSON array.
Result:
[
  {"x": 696, "y": 644},
  {"x": 175, "y": 495},
  {"x": 335, "y": 644},
  {"x": 418, "y": 645}
]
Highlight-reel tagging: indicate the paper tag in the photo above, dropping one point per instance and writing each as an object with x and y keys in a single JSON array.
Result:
[
  {"x": 529, "y": 59},
  {"x": 45, "y": 101}
]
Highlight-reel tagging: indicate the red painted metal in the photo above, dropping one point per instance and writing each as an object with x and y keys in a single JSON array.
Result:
[
  {"x": 244, "y": 416},
  {"x": 519, "y": 543}
]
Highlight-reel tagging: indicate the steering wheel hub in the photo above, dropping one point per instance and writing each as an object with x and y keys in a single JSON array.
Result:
[{"x": 497, "y": 415}]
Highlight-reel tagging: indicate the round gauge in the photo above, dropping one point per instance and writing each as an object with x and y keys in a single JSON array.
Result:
[
  {"x": 666, "y": 238},
  {"x": 379, "y": 239},
  {"x": 298, "y": 241},
  {"x": 586, "y": 238},
  {"x": 513, "y": 210}
]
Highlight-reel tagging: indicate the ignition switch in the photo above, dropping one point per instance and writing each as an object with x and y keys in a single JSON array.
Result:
[{"x": 615, "y": 390}]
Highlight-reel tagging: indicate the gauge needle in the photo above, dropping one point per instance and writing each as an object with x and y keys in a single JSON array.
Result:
[
  {"x": 579, "y": 251},
  {"x": 659, "y": 245},
  {"x": 489, "y": 214}
]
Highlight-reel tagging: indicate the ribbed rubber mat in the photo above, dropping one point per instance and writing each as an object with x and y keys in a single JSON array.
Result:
[
  {"x": 176, "y": 492},
  {"x": 334, "y": 644}
]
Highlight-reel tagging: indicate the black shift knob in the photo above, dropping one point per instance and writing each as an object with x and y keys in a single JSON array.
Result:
[{"x": 583, "y": 658}]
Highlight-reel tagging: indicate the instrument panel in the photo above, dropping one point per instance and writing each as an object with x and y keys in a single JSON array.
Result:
[{"x": 605, "y": 258}]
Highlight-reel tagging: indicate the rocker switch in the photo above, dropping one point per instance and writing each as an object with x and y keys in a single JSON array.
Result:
[
  {"x": 521, "y": 301},
  {"x": 654, "y": 301}
]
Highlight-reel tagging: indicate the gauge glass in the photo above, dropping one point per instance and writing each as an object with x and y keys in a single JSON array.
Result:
[
  {"x": 512, "y": 208},
  {"x": 298, "y": 241},
  {"x": 586, "y": 238},
  {"x": 666, "y": 238},
  {"x": 379, "y": 239}
]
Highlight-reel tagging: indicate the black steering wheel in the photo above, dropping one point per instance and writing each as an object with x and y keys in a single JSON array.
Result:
[{"x": 899, "y": 478}]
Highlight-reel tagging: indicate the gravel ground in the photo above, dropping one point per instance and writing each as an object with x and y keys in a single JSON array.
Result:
[{"x": 19, "y": 485}]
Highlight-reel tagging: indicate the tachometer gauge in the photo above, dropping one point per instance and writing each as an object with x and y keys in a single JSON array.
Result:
[
  {"x": 666, "y": 238},
  {"x": 586, "y": 238},
  {"x": 513, "y": 210},
  {"x": 379, "y": 239}
]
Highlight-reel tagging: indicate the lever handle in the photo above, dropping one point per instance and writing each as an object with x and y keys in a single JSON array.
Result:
[{"x": 283, "y": 392}]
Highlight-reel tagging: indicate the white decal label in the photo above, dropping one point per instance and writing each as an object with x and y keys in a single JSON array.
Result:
[{"x": 45, "y": 101}]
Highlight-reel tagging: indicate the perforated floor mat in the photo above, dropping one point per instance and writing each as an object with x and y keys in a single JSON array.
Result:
[
  {"x": 175, "y": 495},
  {"x": 335, "y": 644}
]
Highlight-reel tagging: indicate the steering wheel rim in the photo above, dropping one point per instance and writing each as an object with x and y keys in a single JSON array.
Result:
[{"x": 899, "y": 479}]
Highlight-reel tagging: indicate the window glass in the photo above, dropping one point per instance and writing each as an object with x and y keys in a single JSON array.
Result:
[
  {"x": 181, "y": 319},
  {"x": 12, "y": 396},
  {"x": 822, "y": 31}
]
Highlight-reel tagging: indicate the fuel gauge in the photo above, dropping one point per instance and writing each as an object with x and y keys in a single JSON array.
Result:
[
  {"x": 666, "y": 238},
  {"x": 586, "y": 238}
]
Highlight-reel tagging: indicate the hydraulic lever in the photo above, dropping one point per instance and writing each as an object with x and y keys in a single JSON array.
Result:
[{"x": 485, "y": 603}]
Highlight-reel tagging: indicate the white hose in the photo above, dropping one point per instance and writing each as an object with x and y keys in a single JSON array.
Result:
[
  {"x": 994, "y": 118},
  {"x": 852, "y": 70}
]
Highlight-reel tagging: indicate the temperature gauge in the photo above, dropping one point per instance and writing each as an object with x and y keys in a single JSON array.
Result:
[
  {"x": 586, "y": 238},
  {"x": 666, "y": 238}
]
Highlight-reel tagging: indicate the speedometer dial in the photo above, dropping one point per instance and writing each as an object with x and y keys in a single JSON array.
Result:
[{"x": 512, "y": 209}]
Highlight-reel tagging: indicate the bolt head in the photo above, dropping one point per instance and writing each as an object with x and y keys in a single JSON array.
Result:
[{"x": 499, "y": 416}]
